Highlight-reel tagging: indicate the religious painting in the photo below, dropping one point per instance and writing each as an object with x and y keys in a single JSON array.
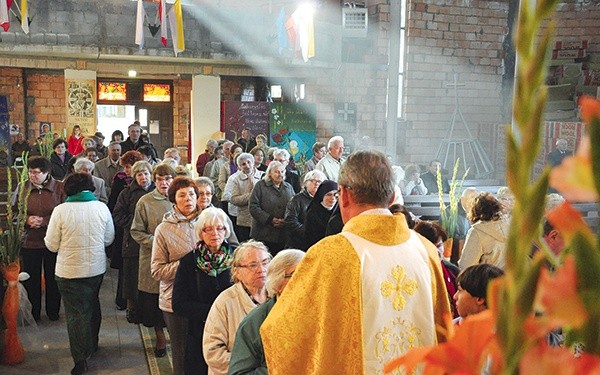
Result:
[
  {"x": 237, "y": 116},
  {"x": 344, "y": 115},
  {"x": 293, "y": 127},
  {"x": 80, "y": 88},
  {"x": 113, "y": 91},
  {"x": 45, "y": 128}
]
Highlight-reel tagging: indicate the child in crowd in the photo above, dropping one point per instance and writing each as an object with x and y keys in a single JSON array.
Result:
[{"x": 472, "y": 289}]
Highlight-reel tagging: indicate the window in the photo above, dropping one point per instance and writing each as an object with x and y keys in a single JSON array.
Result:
[
  {"x": 401, "y": 72},
  {"x": 157, "y": 92},
  {"x": 113, "y": 91}
]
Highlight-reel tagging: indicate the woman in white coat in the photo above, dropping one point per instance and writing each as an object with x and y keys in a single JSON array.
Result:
[{"x": 78, "y": 231}]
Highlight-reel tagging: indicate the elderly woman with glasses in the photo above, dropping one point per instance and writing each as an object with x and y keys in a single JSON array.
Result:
[
  {"x": 45, "y": 193},
  {"x": 84, "y": 165},
  {"x": 295, "y": 212},
  {"x": 248, "y": 272},
  {"x": 247, "y": 355},
  {"x": 202, "y": 275},
  {"x": 319, "y": 212},
  {"x": 267, "y": 205},
  {"x": 241, "y": 184}
]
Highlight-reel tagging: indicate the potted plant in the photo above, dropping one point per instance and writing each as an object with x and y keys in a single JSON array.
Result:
[
  {"x": 449, "y": 212},
  {"x": 11, "y": 240}
]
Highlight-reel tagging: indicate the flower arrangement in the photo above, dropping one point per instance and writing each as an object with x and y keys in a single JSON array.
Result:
[
  {"x": 11, "y": 240},
  {"x": 530, "y": 300},
  {"x": 449, "y": 214}
]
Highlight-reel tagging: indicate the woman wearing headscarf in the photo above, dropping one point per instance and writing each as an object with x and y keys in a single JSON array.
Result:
[
  {"x": 78, "y": 231},
  {"x": 173, "y": 239},
  {"x": 248, "y": 271},
  {"x": 201, "y": 276},
  {"x": 247, "y": 355},
  {"x": 319, "y": 212},
  {"x": 123, "y": 217}
]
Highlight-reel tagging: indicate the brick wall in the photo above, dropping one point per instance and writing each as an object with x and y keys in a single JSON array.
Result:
[
  {"x": 46, "y": 101},
  {"x": 463, "y": 40},
  {"x": 181, "y": 113},
  {"x": 11, "y": 85}
]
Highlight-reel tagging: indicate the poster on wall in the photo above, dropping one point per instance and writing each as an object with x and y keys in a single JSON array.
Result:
[
  {"x": 293, "y": 127},
  {"x": 80, "y": 94},
  {"x": 237, "y": 116}
]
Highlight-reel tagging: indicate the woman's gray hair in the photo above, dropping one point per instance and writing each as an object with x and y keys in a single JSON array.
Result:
[
  {"x": 240, "y": 253},
  {"x": 284, "y": 260},
  {"x": 212, "y": 216},
  {"x": 139, "y": 166},
  {"x": 83, "y": 162},
  {"x": 205, "y": 181},
  {"x": 244, "y": 156},
  {"x": 312, "y": 174},
  {"x": 272, "y": 166},
  {"x": 283, "y": 152}
]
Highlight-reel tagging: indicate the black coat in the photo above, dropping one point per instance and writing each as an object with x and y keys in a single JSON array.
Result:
[
  {"x": 60, "y": 169},
  {"x": 194, "y": 293},
  {"x": 295, "y": 217}
]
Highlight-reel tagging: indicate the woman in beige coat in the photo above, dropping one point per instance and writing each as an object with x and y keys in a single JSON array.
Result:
[{"x": 249, "y": 273}]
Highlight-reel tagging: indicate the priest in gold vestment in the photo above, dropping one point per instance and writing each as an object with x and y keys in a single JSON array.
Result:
[{"x": 361, "y": 297}]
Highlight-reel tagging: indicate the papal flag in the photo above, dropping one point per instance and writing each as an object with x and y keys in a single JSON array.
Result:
[
  {"x": 176, "y": 25},
  {"x": 4, "y": 15},
  {"x": 139, "y": 25},
  {"x": 24, "y": 17}
]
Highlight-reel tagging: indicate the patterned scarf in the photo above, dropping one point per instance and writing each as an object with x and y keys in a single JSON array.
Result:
[{"x": 212, "y": 263}]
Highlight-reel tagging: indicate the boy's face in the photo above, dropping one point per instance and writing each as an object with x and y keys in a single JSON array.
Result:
[{"x": 466, "y": 304}]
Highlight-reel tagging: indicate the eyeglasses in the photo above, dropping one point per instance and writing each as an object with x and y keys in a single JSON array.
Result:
[
  {"x": 334, "y": 194},
  {"x": 254, "y": 266},
  {"x": 316, "y": 182},
  {"x": 288, "y": 275},
  {"x": 35, "y": 172},
  {"x": 205, "y": 194},
  {"x": 219, "y": 228}
]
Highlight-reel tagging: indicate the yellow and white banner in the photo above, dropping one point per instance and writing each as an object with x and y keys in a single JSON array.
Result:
[{"x": 80, "y": 100}]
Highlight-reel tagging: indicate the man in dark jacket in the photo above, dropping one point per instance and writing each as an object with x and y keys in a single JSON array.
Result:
[{"x": 134, "y": 141}]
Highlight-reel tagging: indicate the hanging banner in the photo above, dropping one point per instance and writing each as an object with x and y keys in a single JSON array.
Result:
[
  {"x": 293, "y": 127},
  {"x": 80, "y": 94}
]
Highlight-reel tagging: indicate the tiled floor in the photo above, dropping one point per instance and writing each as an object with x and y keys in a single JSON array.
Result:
[{"x": 120, "y": 348}]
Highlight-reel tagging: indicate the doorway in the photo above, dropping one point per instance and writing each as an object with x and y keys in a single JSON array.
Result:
[{"x": 157, "y": 121}]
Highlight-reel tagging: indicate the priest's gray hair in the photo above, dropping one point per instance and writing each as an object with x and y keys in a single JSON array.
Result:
[
  {"x": 284, "y": 260},
  {"x": 368, "y": 175}
]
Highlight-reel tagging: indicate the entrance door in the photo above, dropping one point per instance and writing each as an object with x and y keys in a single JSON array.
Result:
[{"x": 157, "y": 121}]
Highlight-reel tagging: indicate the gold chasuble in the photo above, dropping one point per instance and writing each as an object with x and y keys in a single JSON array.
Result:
[{"x": 357, "y": 300}]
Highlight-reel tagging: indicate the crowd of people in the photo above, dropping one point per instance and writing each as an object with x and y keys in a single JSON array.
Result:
[{"x": 208, "y": 258}]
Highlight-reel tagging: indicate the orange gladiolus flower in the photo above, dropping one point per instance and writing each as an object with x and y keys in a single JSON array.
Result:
[
  {"x": 568, "y": 221},
  {"x": 558, "y": 295},
  {"x": 574, "y": 178},
  {"x": 589, "y": 108},
  {"x": 463, "y": 353}
]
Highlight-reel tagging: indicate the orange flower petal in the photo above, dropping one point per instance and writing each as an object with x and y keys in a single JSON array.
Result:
[
  {"x": 558, "y": 295},
  {"x": 543, "y": 359},
  {"x": 574, "y": 179},
  {"x": 568, "y": 221},
  {"x": 410, "y": 360},
  {"x": 589, "y": 108}
]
